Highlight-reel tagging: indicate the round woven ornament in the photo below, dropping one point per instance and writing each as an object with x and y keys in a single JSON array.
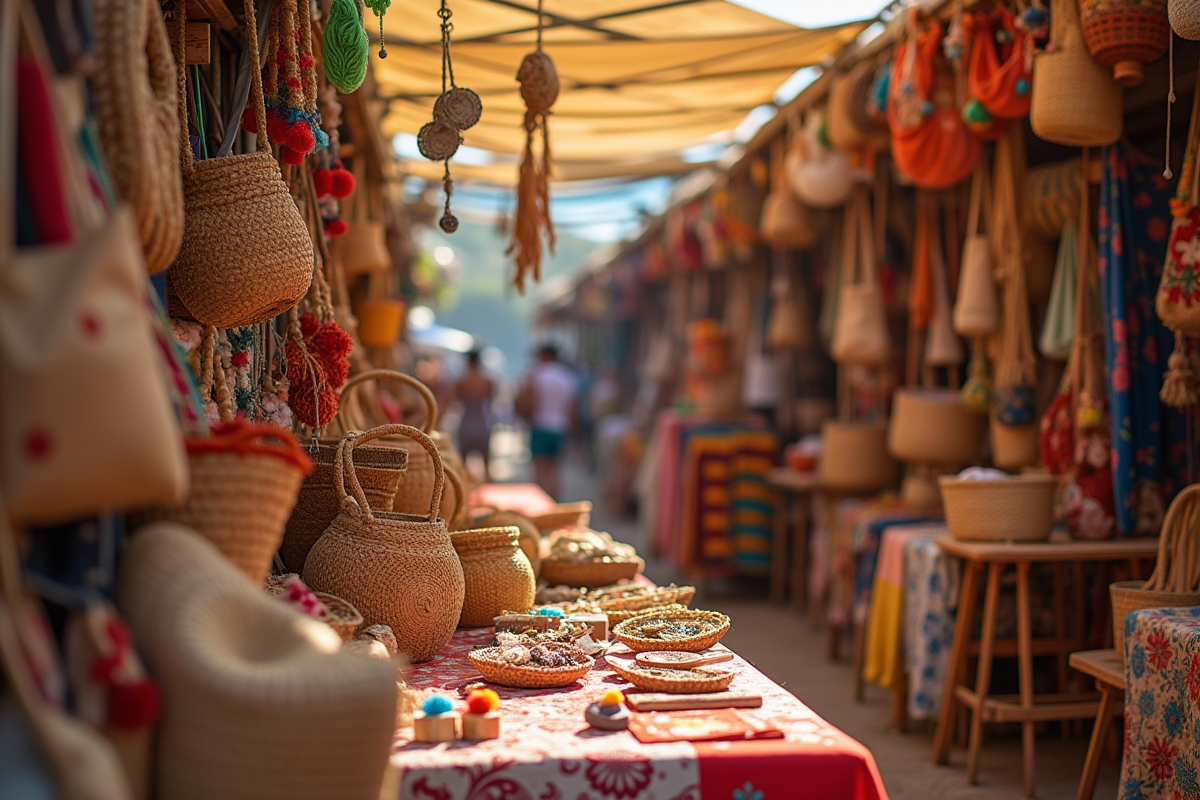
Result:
[
  {"x": 458, "y": 108},
  {"x": 539, "y": 82},
  {"x": 438, "y": 141}
]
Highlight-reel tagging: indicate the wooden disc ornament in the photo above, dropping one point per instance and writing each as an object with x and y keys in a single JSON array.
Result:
[
  {"x": 460, "y": 108},
  {"x": 438, "y": 142}
]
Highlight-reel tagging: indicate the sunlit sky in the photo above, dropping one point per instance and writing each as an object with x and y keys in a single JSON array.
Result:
[{"x": 609, "y": 212}]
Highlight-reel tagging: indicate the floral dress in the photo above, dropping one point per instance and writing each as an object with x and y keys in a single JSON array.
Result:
[{"x": 1149, "y": 443}]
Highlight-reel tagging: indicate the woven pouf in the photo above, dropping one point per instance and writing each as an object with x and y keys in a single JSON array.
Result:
[{"x": 258, "y": 702}]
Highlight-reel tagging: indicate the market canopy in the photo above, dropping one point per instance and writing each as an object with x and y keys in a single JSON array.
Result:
[{"x": 642, "y": 80}]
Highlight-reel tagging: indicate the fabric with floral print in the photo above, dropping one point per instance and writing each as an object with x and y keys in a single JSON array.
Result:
[
  {"x": 931, "y": 586},
  {"x": 1162, "y": 705},
  {"x": 1148, "y": 439}
]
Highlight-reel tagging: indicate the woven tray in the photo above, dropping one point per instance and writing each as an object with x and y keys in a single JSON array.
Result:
[
  {"x": 692, "y": 644},
  {"x": 615, "y": 618},
  {"x": 648, "y": 598},
  {"x": 675, "y": 681},
  {"x": 589, "y": 573},
  {"x": 531, "y": 676}
]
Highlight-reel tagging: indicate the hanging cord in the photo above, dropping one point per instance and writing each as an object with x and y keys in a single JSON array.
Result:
[
  {"x": 444, "y": 13},
  {"x": 1170, "y": 101},
  {"x": 539, "y": 26}
]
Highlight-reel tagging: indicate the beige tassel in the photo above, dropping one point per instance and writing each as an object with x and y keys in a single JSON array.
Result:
[{"x": 1179, "y": 385}]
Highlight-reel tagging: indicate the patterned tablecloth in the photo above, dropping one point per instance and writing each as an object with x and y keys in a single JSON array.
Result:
[
  {"x": 547, "y": 752},
  {"x": 1162, "y": 705}
]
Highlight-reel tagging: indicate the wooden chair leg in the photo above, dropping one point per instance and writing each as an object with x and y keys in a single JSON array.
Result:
[
  {"x": 957, "y": 668},
  {"x": 1062, "y": 657},
  {"x": 899, "y": 703},
  {"x": 1025, "y": 673},
  {"x": 983, "y": 672},
  {"x": 1091, "y": 765}
]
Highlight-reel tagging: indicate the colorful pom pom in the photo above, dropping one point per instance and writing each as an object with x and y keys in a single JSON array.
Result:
[
  {"x": 926, "y": 108},
  {"x": 975, "y": 113},
  {"x": 293, "y": 157},
  {"x": 481, "y": 701},
  {"x": 249, "y": 123},
  {"x": 438, "y": 704},
  {"x": 321, "y": 138},
  {"x": 133, "y": 705},
  {"x": 551, "y": 612},
  {"x": 335, "y": 228},
  {"x": 277, "y": 128},
  {"x": 300, "y": 137},
  {"x": 1022, "y": 86},
  {"x": 323, "y": 181},
  {"x": 343, "y": 183},
  {"x": 612, "y": 698}
]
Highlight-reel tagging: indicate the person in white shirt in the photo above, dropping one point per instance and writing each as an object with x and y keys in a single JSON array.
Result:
[{"x": 549, "y": 400}]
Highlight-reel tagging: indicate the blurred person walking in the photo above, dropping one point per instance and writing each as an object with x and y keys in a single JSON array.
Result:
[
  {"x": 474, "y": 392},
  {"x": 548, "y": 399}
]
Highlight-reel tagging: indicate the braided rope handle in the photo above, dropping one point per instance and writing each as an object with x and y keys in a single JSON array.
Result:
[{"x": 344, "y": 461}]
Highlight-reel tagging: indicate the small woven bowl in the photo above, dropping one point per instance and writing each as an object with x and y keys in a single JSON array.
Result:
[
  {"x": 564, "y": 515},
  {"x": 531, "y": 676},
  {"x": 692, "y": 644},
  {"x": 660, "y": 679},
  {"x": 589, "y": 573},
  {"x": 615, "y": 618},
  {"x": 342, "y": 616},
  {"x": 649, "y": 598}
]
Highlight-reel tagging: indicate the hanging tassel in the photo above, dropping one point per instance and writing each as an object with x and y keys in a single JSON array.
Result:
[{"x": 1179, "y": 385}]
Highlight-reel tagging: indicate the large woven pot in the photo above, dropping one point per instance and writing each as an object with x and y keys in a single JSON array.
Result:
[
  {"x": 398, "y": 569},
  {"x": 378, "y": 470},
  {"x": 1018, "y": 509},
  {"x": 246, "y": 254},
  {"x": 498, "y": 576},
  {"x": 932, "y": 426},
  {"x": 855, "y": 457},
  {"x": 1125, "y": 35},
  {"x": 245, "y": 479},
  {"x": 1075, "y": 101}
]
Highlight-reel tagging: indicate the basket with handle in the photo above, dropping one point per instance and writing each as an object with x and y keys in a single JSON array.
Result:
[
  {"x": 1175, "y": 581},
  {"x": 246, "y": 254},
  {"x": 395, "y": 568}
]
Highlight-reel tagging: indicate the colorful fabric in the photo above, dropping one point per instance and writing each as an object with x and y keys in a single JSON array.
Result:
[
  {"x": 752, "y": 509},
  {"x": 546, "y": 751},
  {"x": 1149, "y": 450},
  {"x": 1162, "y": 705},
  {"x": 931, "y": 588},
  {"x": 704, "y": 542}
]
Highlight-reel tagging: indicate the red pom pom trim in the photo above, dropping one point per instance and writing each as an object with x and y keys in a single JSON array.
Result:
[
  {"x": 343, "y": 183},
  {"x": 249, "y": 123},
  {"x": 277, "y": 129},
  {"x": 335, "y": 228},
  {"x": 300, "y": 137},
  {"x": 293, "y": 157},
  {"x": 322, "y": 181}
]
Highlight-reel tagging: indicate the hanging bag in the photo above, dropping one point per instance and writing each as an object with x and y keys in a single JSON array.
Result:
[
  {"x": 1178, "y": 297},
  {"x": 942, "y": 345},
  {"x": 977, "y": 309},
  {"x": 85, "y": 420},
  {"x": 1058, "y": 329},
  {"x": 998, "y": 75},
  {"x": 860, "y": 335},
  {"x": 849, "y": 125},
  {"x": 789, "y": 326},
  {"x": 246, "y": 255},
  {"x": 820, "y": 176},
  {"x": 786, "y": 222},
  {"x": 364, "y": 247},
  {"x": 1125, "y": 35}
]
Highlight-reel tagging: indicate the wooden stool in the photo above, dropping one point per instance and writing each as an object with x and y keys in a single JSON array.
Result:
[
  {"x": 793, "y": 492},
  {"x": 1108, "y": 668}
]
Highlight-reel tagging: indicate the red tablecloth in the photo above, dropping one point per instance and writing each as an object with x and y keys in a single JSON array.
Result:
[
  {"x": 524, "y": 498},
  {"x": 547, "y": 752}
]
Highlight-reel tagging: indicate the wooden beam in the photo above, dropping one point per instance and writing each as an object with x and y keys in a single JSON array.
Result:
[
  {"x": 214, "y": 10},
  {"x": 197, "y": 44}
]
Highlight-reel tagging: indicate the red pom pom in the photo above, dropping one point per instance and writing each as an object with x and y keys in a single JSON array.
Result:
[
  {"x": 277, "y": 129},
  {"x": 133, "y": 705},
  {"x": 308, "y": 325},
  {"x": 300, "y": 137},
  {"x": 293, "y": 157},
  {"x": 335, "y": 228},
  {"x": 323, "y": 181},
  {"x": 304, "y": 406},
  {"x": 343, "y": 183},
  {"x": 249, "y": 123},
  {"x": 332, "y": 345}
]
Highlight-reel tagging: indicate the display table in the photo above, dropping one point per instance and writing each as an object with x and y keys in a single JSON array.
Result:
[
  {"x": 524, "y": 498},
  {"x": 546, "y": 749}
]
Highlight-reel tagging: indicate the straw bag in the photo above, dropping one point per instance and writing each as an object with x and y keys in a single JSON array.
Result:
[
  {"x": 819, "y": 175},
  {"x": 931, "y": 426},
  {"x": 244, "y": 485},
  {"x": 378, "y": 470},
  {"x": 380, "y": 322},
  {"x": 364, "y": 247},
  {"x": 1013, "y": 446},
  {"x": 789, "y": 325},
  {"x": 398, "y": 569},
  {"x": 1178, "y": 299},
  {"x": 1175, "y": 581},
  {"x": 1052, "y": 197},
  {"x": 86, "y": 423},
  {"x": 785, "y": 221},
  {"x": 850, "y": 126},
  {"x": 855, "y": 457},
  {"x": 1125, "y": 35},
  {"x": 134, "y": 92},
  {"x": 942, "y": 346},
  {"x": 246, "y": 255},
  {"x": 1184, "y": 17},
  {"x": 977, "y": 309},
  {"x": 258, "y": 701},
  {"x": 497, "y": 575},
  {"x": 860, "y": 333},
  {"x": 1058, "y": 329},
  {"x": 998, "y": 75},
  {"x": 1075, "y": 101}
]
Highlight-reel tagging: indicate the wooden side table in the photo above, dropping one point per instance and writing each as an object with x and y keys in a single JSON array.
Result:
[
  {"x": 1108, "y": 668},
  {"x": 996, "y": 559},
  {"x": 793, "y": 499}
]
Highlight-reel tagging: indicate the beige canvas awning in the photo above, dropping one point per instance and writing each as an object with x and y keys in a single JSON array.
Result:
[{"x": 642, "y": 80}]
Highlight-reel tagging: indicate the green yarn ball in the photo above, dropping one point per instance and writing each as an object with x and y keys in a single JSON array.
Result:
[{"x": 347, "y": 50}]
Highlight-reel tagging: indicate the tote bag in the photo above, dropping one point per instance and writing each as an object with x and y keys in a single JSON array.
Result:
[
  {"x": 1058, "y": 331},
  {"x": 860, "y": 335},
  {"x": 977, "y": 309}
]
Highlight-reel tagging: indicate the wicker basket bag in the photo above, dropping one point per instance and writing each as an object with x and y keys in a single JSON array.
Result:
[
  {"x": 245, "y": 479},
  {"x": 498, "y": 576},
  {"x": 1125, "y": 35},
  {"x": 378, "y": 470},
  {"x": 1175, "y": 581},
  {"x": 1017, "y": 509},
  {"x": 1075, "y": 101},
  {"x": 398, "y": 569},
  {"x": 246, "y": 255},
  {"x": 1184, "y": 16},
  {"x": 137, "y": 114}
]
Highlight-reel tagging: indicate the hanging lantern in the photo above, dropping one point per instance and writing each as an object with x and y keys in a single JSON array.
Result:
[{"x": 1125, "y": 35}]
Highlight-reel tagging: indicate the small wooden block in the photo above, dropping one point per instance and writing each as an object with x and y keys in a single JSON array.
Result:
[
  {"x": 196, "y": 44},
  {"x": 599, "y": 623},
  {"x": 436, "y": 728},
  {"x": 477, "y": 727},
  {"x": 685, "y": 702}
]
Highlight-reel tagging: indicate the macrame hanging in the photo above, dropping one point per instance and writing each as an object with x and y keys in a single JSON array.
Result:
[
  {"x": 539, "y": 90},
  {"x": 456, "y": 110}
]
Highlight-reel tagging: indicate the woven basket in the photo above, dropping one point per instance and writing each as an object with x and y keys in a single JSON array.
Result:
[
  {"x": 498, "y": 575},
  {"x": 1014, "y": 446},
  {"x": 246, "y": 254},
  {"x": 134, "y": 79},
  {"x": 855, "y": 458},
  {"x": 380, "y": 322},
  {"x": 615, "y": 618},
  {"x": 649, "y": 598},
  {"x": 1018, "y": 509},
  {"x": 244, "y": 485},
  {"x": 1075, "y": 101},
  {"x": 364, "y": 247},
  {"x": 692, "y": 644},
  {"x": 850, "y": 127},
  {"x": 659, "y": 679},
  {"x": 589, "y": 573},
  {"x": 340, "y": 615},
  {"x": 1129, "y": 596},
  {"x": 1052, "y": 196},
  {"x": 1125, "y": 35},
  {"x": 531, "y": 537},
  {"x": 378, "y": 470},
  {"x": 398, "y": 569},
  {"x": 932, "y": 426},
  {"x": 564, "y": 515},
  {"x": 531, "y": 676}
]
